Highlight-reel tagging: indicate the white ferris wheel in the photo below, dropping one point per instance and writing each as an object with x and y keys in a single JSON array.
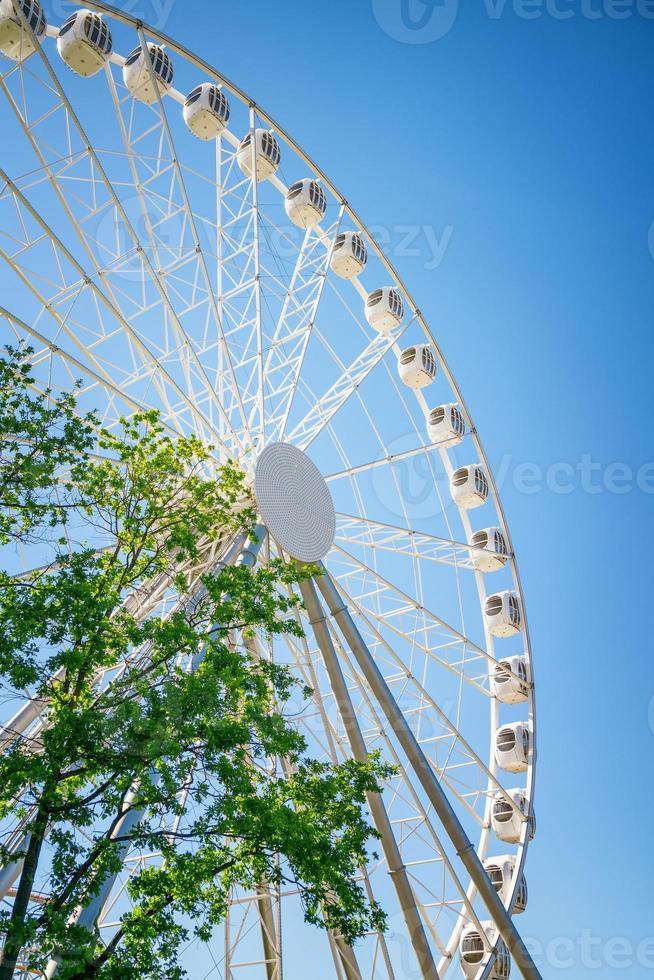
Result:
[{"x": 166, "y": 242}]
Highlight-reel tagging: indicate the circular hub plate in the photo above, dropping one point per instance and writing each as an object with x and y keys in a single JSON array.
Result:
[{"x": 294, "y": 502}]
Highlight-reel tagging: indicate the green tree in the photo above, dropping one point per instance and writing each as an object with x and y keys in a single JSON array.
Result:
[{"x": 114, "y": 516}]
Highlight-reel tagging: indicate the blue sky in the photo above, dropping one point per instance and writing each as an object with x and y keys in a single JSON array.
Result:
[
  {"x": 504, "y": 153},
  {"x": 523, "y": 152}
]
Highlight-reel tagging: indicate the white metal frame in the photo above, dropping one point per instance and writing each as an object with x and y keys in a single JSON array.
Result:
[{"x": 248, "y": 400}]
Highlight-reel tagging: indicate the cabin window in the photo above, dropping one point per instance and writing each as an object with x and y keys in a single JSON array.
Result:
[
  {"x": 34, "y": 15},
  {"x": 219, "y": 103},
  {"x": 428, "y": 362},
  {"x": 480, "y": 539},
  {"x": 395, "y": 303},
  {"x": 134, "y": 56},
  {"x": 458, "y": 424},
  {"x": 514, "y": 610},
  {"x": 294, "y": 190},
  {"x": 67, "y": 25},
  {"x": 494, "y": 605},
  {"x": 502, "y": 811},
  {"x": 194, "y": 95},
  {"x": 472, "y": 948},
  {"x": 506, "y": 740}
]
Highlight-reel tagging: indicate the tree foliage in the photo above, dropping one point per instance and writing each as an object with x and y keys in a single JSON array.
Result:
[{"x": 160, "y": 733}]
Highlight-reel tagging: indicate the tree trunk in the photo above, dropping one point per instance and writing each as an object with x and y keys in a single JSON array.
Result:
[{"x": 15, "y": 929}]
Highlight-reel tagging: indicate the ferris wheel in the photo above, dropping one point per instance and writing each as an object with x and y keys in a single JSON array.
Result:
[{"x": 166, "y": 242}]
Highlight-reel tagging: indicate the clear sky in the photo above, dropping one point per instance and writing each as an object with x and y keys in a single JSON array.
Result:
[
  {"x": 504, "y": 153},
  {"x": 509, "y": 165}
]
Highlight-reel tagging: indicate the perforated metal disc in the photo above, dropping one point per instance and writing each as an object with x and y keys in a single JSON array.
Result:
[{"x": 294, "y": 502}]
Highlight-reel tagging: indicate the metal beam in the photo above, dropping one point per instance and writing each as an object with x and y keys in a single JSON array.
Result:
[
  {"x": 396, "y": 867},
  {"x": 427, "y": 778}
]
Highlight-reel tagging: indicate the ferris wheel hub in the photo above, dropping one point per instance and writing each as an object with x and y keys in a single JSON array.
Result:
[{"x": 294, "y": 502}]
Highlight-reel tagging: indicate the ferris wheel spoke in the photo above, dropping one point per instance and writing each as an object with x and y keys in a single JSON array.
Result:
[
  {"x": 94, "y": 177},
  {"x": 334, "y": 748},
  {"x": 352, "y": 530},
  {"x": 462, "y": 901},
  {"x": 190, "y": 221},
  {"x": 350, "y": 379},
  {"x": 396, "y": 603},
  {"x": 66, "y": 296},
  {"x": 476, "y": 681},
  {"x": 423, "y": 815},
  {"x": 156, "y": 188},
  {"x": 89, "y": 334},
  {"x": 376, "y": 732},
  {"x": 240, "y": 232},
  {"x": 258, "y": 386},
  {"x": 293, "y": 332},
  {"x": 382, "y": 461},
  {"x": 448, "y": 738},
  {"x": 75, "y": 369},
  {"x": 386, "y": 652}
]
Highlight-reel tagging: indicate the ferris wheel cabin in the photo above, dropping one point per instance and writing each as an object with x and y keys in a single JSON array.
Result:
[
  {"x": 509, "y": 680},
  {"x": 475, "y": 956},
  {"x": 141, "y": 67},
  {"x": 506, "y": 823},
  {"x": 502, "y": 614},
  {"x": 84, "y": 43},
  {"x": 17, "y": 33},
  {"x": 384, "y": 309},
  {"x": 305, "y": 203},
  {"x": 417, "y": 366},
  {"x": 469, "y": 486},
  {"x": 512, "y": 747},
  {"x": 206, "y": 111},
  {"x": 501, "y": 870},
  {"x": 446, "y": 426},
  {"x": 349, "y": 255},
  {"x": 489, "y": 552},
  {"x": 266, "y": 153}
]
